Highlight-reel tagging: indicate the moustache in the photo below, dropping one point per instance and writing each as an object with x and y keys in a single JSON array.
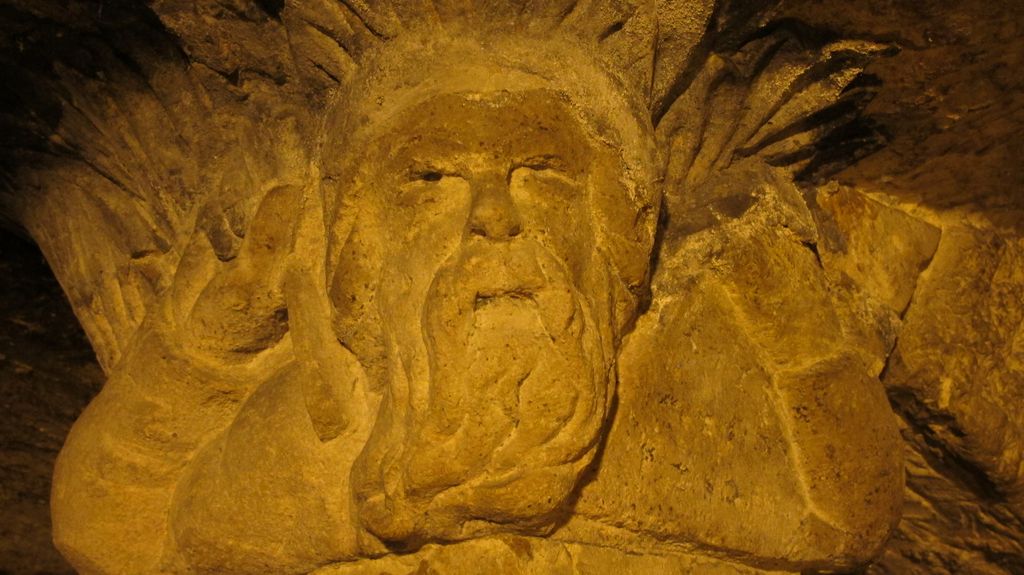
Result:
[
  {"x": 520, "y": 275},
  {"x": 486, "y": 344}
]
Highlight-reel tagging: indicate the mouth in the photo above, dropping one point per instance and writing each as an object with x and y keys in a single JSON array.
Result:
[{"x": 490, "y": 297}]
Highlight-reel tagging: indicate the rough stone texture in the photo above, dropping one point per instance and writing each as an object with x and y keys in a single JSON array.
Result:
[
  {"x": 747, "y": 430},
  {"x": 951, "y": 104},
  {"x": 47, "y": 375},
  {"x": 956, "y": 377},
  {"x": 523, "y": 555}
]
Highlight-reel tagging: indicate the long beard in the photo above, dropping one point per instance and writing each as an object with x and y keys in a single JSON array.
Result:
[{"x": 499, "y": 430}]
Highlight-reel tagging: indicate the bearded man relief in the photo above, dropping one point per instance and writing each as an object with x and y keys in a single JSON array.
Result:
[{"x": 488, "y": 274}]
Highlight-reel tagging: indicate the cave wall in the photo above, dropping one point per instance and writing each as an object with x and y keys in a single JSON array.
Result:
[{"x": 925, "y": 228}]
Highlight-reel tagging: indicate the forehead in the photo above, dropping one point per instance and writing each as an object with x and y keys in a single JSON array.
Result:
[{"x": 503, "y": 123}]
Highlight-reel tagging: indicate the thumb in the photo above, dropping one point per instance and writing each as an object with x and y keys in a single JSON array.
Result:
[{"x": 333, "y": 382}]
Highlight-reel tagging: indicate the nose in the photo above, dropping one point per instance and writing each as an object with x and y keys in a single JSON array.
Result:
[{"x": 494, "y": 214}]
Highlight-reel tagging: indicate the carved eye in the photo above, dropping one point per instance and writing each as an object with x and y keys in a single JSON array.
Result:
[
  {"x": 426, "y": 173},
  {"x": 429, "y": 184},
  {"x": 546, "y": 163},
  {"x": 545, "y": 183},
  {"x": 549, "y": 169}
]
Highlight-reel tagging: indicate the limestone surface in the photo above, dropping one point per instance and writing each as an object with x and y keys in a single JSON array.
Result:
[{"x": 503, "y": 286}]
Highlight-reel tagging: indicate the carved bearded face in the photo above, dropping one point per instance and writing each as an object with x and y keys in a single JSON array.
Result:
[{"x": 477, "y": 287}]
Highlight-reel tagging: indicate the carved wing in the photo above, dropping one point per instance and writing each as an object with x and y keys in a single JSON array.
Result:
[{"x": 102, "y": 171}]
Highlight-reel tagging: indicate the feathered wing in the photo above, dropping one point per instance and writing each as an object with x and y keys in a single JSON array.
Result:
[
  {"x": 142, "y": 142},
  {"x": 101, "y": 170},
  {"x": 774, "y": 100}
]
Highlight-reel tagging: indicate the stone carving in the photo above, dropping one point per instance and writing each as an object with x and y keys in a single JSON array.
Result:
[{"x": 393, "y": 283}]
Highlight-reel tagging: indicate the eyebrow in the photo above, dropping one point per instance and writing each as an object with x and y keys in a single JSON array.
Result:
[
  {"x": 544, "y": 161},
  {"x": 403, "y": 144}
]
